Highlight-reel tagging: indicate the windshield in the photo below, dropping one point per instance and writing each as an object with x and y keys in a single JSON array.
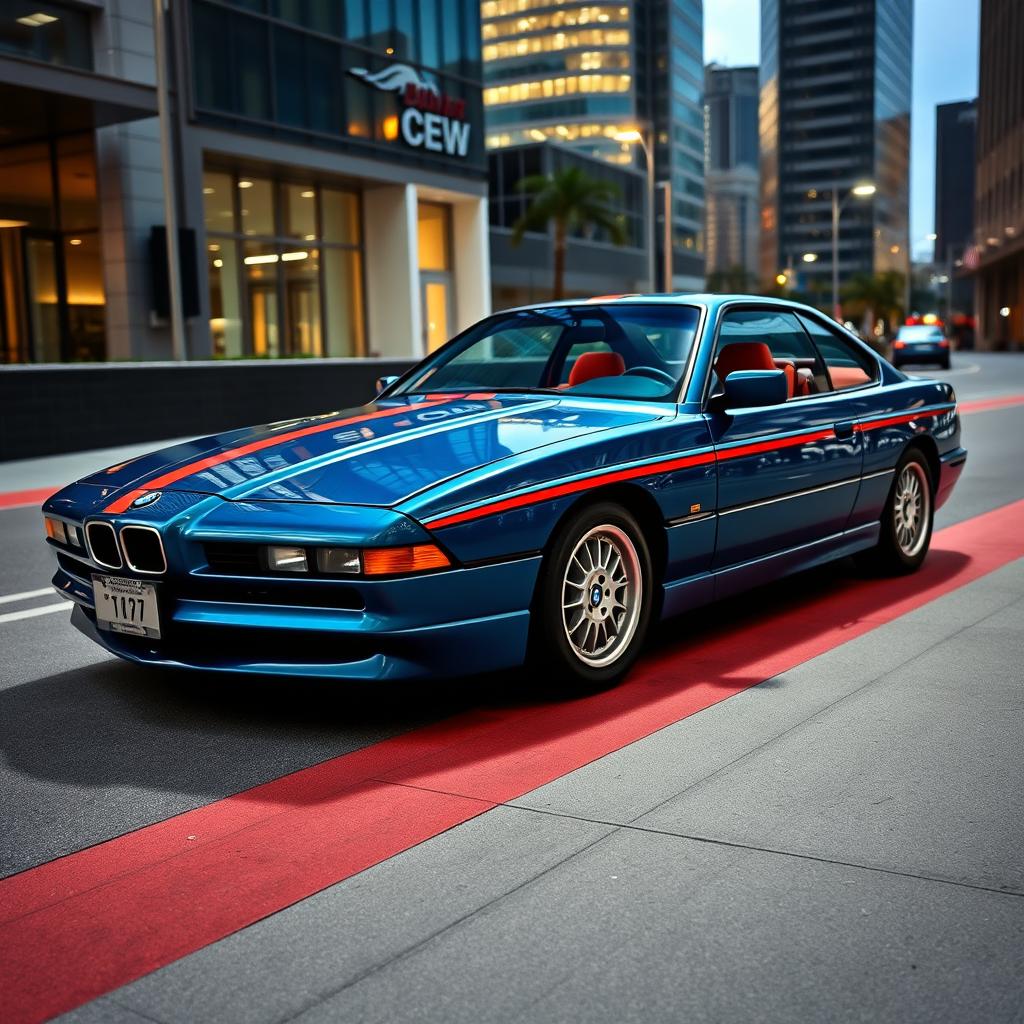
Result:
[
  {"x": 614, "y": 351},
  {"x": 922, "y": 333}
]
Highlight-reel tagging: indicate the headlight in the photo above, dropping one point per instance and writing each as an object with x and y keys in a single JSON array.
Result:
[
  {"x": 287, "y": 559},
  {"x": 338, "y": 560},
  {"x": 55, "y": 530},
  {"x": 354, "y": 562}
]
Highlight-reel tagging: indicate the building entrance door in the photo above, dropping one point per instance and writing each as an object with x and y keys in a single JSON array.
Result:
[{"x": 435, "y": 293}]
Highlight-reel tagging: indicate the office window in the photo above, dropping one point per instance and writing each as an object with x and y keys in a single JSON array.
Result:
[{"x": 287, "y": 280}]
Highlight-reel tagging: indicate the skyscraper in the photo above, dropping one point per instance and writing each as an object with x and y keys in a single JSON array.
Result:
[
  {"x": 835, "y": 112},
  {"x": 955, "y": 130},
  {"x": 731, "y": 146},
  {"x": 582, "y": 73},
  {"x": 999, "y": 181}
]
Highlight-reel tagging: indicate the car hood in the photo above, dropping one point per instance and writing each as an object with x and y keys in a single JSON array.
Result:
[{"x": 380, "y": 454}]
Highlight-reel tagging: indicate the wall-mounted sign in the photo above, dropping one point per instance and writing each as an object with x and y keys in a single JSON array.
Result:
[{"x": 429, "y": 118}]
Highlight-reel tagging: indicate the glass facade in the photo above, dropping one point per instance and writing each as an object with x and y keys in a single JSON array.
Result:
[
  {"x": 284, "y": 260},
  {"x": 835, "y": 110},
  {"x": 579, "y": 73},
  {"x": 51, "y": 267},
  {"x": 287, "y": 67}
]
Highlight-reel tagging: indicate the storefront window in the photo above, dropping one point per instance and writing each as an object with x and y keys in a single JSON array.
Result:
[
  {"x": 343, "y": 301},
  {"x": 225, "y": 299},
  {"x": 51, "y": 265},
  {"x": 289, "y": 283},
  {"x": 301, "y": 269},
  {"x": 219, "y": 202},
  {"x": 340, "y": 216},
  {"x": 257, "y": 202},
  {"x": 300, "y": 212}
]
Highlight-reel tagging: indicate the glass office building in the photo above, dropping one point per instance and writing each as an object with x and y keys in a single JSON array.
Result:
[
  {"x": 328, "y": 167},
  {"x": 581, "y": 72},
  {"x": 834, "y": 111}
]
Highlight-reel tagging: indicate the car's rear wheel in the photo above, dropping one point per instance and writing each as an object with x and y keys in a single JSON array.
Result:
[
  {"x": 907, "y": 520},
  {"x": 594, "y": 599}
]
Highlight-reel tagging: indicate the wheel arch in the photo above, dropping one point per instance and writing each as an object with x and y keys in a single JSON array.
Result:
[
  {"x": 926, "y": 445},
  {"x": 636, "y": 500}
]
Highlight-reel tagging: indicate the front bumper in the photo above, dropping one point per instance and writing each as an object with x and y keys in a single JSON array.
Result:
[{"x": 458, "y": 622}]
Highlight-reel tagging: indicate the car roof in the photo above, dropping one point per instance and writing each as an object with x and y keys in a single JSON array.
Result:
[{"x": 707, "y": 299}]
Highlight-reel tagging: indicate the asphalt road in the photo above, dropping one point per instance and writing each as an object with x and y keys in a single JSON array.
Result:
[{"x": 840, "y": 842}]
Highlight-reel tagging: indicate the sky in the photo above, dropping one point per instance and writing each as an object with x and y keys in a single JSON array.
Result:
[{"x": 945, "y": 69}]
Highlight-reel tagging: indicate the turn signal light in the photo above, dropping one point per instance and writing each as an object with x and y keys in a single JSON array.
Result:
[
  {"x": 393, "y": 561},
  {"x": 55, "y": 530}
]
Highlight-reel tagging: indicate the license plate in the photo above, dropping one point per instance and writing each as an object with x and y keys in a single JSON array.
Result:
[{"x": 126, "y": 606}]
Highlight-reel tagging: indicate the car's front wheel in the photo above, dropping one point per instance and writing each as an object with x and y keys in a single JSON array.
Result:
[{"x": 594, "y": 599}]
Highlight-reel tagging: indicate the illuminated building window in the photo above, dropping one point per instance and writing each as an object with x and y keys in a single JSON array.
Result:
[
  {"x": 557, "y": 41},
  {"x": 597, "y": 15},
  {"x": 548, "y": 88}
]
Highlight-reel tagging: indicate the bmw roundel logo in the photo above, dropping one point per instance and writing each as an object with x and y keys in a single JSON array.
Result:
[{"x": 144, "y": 500}]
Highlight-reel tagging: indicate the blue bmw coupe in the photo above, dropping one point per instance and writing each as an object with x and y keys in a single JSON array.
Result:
[{"x": 539, "y": 489}]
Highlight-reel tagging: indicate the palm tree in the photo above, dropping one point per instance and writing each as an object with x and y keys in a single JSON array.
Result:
[
  {"x": 877, "y": 295},
  {"x": 572, "y": 201}
]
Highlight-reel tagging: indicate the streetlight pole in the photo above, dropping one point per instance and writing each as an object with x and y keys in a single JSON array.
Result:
[
  {"x": 861, "y": 190},
  {"x": 645, "y": 140},
  {"x": 837, "y": 313}
]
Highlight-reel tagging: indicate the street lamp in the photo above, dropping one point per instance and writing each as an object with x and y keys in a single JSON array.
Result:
[
  {"x": 645, "y": 140},
  {"x": 861, "y": 190}
]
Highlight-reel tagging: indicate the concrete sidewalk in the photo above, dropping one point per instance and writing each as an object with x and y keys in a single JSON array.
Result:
[{"x": 838, "y": 843}]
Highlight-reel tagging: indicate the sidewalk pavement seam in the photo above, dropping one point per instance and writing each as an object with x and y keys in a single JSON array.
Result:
[
  {"x": 810, "y": 718},
  {"x": 476, "y": 912},
  {"x": 772, "y": 851}
]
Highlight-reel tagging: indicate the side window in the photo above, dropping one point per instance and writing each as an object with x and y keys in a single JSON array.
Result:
[
  {"x": 763, "y": 339},
  {"x": 848, "y": 366}
]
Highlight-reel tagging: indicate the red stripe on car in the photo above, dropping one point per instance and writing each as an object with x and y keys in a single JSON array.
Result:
[
  {"x": 165, "y": 480},
  {"x": 631, "y": 473}
]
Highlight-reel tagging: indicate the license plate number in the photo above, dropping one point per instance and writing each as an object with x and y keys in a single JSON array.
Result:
[{"x": 126, "y": 606}]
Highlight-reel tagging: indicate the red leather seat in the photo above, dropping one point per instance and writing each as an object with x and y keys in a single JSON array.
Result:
[
  {"x": 751, "y": 355},
  {"x": 596, "y": 364}
]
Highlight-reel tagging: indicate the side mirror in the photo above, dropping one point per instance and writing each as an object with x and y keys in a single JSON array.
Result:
[
  {"x": 383, "y": 383},
  {"x": 750, "y": 389}
]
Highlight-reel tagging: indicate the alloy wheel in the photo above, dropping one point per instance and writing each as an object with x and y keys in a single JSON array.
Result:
[{"x": 602, "y": 592}]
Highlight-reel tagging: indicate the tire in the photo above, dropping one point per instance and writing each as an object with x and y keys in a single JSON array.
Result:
[
  {"x": 945, "y": 363},
  {"x": 588, "y": 646},
  {"x": 907, "y": 519}
]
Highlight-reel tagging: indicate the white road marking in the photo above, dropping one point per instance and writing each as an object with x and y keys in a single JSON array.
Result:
[
  {"x": 25, "y": 595},
  {"x": 30, "y": 613}
]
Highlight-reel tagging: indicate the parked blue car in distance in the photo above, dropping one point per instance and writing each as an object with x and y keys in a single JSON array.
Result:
[
  {"x": 542, "y": 487},
  {"x": 921, "y": 343}
]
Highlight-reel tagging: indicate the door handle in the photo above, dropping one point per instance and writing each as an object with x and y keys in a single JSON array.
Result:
[{"x": 844, "y": 430}]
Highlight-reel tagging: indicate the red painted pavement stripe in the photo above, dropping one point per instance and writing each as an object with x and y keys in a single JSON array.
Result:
[
  {"x": 90, "y": 922},
  {"x": 174, "y": 475},
  {"x": 21, "y": 499},
  {"x": 985, "y": 404}
]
